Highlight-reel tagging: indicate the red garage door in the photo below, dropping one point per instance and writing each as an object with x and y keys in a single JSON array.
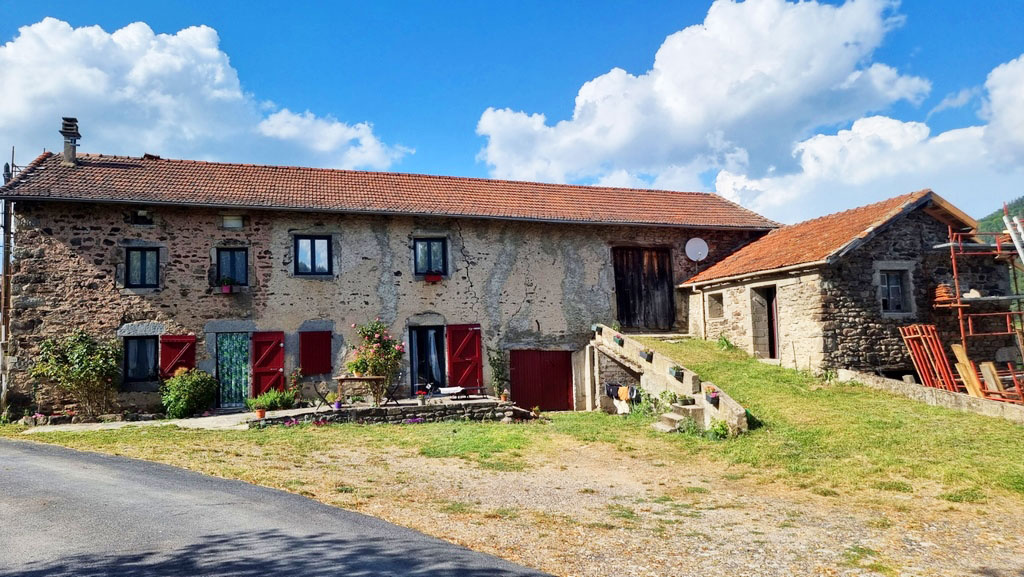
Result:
[{"x": 541, "y": 379}]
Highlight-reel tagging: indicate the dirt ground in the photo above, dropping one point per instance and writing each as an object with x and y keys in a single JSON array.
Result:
[{"x": 596, "y": 511}]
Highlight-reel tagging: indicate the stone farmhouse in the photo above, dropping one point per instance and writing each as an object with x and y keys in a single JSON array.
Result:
[
  {"x": 249, "y": 272},
  {"x": 830, "y": 293}
]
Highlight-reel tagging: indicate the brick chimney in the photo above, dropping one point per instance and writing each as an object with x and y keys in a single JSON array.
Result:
[{"x": 69, "y": 130}]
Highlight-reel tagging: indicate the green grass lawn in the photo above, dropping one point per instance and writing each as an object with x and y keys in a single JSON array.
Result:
[{"x": 846, "y": 435}]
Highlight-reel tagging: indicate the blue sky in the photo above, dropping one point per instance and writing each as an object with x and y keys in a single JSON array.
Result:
[{"x": 423, "y": 75}]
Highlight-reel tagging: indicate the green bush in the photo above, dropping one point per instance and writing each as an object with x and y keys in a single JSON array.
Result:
[
  {"x": 187, "y": 393},
  {"x": 83, "y": 367},
  {"x": 272, "y": 400}
]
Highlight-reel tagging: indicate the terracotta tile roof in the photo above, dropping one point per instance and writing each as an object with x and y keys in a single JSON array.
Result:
[
  {"x": 818, "y": 240},
  {"x": 150, "y": 179}
]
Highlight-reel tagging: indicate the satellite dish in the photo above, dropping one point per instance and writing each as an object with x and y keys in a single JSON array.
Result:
[{"x": 696, "y": 249}]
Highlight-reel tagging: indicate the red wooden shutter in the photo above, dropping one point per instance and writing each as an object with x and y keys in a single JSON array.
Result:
[
  {"x": 267, "y": 362},
  {"x": 315, "y": 352},
  {"x": 176, "y": 352},
  {"x": 465, "y": 363}
]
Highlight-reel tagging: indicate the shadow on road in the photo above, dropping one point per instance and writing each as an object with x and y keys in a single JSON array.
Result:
[{"x": 274, "y": 553}]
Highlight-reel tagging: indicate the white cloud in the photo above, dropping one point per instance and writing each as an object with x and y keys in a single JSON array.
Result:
[
  {"x": 953, "y": 101},
  {"x": 741, "y": 88},
  {"x": 176, "y": 95},
  {"x": 976, "y": 167}
]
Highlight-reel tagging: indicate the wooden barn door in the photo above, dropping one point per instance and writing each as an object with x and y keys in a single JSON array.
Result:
[
  {"x": 267, "y": 362},
  {"x": 465, "y": 361},
  {"x": 541, "y": 379},
  {"x": 644, "y": 293}
]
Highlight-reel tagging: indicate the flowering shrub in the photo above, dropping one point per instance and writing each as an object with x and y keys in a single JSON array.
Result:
[
  {"x": 83, "y": 367},
  {"x": 188, "y": 392},
  {"x": 382, "y": 355}
]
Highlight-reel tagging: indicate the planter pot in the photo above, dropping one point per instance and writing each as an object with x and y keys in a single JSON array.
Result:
[
  {"x": 596, "y": 329},
  {"x": 358, "y": 374},
  {"x": 432, "y": 278},
  {"x": 676, "y": 373},
  {"x": 421, "y": 400},
  {"x": 619, "y": 341},
  {"x": 337, "y": 405},
  {"x": 504, "y": 398},
  {"x": 261, "y": 413},
  {"x": 686, "y": 401},
  {"x": 647, "y": 356},
  {"x": 225, "y": 289},
  {"x": 713, "y": 401}
]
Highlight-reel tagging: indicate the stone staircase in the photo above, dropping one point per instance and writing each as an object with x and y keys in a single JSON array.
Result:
[{"x": 671, "y": 421}]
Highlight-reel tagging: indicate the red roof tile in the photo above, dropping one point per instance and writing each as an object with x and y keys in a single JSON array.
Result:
[
  {"x": 184, "y": 182},
  {"x": 814, "y": 241}
]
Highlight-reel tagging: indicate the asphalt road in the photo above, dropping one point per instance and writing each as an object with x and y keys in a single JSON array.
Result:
[{"x": 65, "y": 512}]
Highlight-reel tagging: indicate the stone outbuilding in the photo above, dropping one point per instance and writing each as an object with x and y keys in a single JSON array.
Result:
[
  {"x": 831, "y": 292},
  {"x": 250, "y": 272}
]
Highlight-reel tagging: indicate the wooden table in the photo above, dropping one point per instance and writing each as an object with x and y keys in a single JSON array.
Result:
[{"x": 345, "y": 391}]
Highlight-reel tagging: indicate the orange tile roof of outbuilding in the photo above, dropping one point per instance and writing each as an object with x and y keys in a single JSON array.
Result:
[
  {"x": 152, "y": 180},
  {"x": 815, "y": 241}
]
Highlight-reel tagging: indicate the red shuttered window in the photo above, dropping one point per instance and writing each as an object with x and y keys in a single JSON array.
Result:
[
  {"x": 315, "y": 352},
  {"x": 176, "y": 352}
]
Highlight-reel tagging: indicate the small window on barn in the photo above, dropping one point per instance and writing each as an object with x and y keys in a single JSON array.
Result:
[
  {"x": 313, "y": 255},
  {"x": 716, "y": 306},
  {"x": 430, "y": 256},
  {"x": 892, "y": 284},
  {"x": 232, "y": 222},
  {"x": 140, "y": 360},
  {"x": 142, "y": 268},
  {"x": 315, "y": 352},
  {"x": 141, "y": 217},
  {"x": 233, "y": 266}
]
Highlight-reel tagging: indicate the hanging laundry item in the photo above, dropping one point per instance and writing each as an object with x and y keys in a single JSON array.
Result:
[{"x": 624, "y": 393}]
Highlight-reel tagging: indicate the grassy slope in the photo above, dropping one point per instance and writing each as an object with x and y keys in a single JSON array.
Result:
[
  {"x": 850, "y": 435},
  {"x": 994, "y": 222}
]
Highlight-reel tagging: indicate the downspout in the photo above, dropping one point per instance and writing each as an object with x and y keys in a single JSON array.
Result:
[{"x": 5, "y": 305}]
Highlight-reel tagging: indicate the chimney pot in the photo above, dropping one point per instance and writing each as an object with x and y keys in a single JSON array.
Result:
[{"x": 69, "y": 130}]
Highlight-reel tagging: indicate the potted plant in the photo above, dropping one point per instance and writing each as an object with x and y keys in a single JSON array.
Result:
[
  {"x": 333, "y": 400},
  {"x": 596, "y": 328},
  {"x": 676, "y": 372},
  {"x": 421, "y": 397},
  {"x": 504, "y": 395},
  {"x": 228, "y": 285},
  {"x": 711, "y": 395},
  {"x": 358, "y": 366},
  {"x": 258, "y": 405},
  {"x": 647, "y": 355},
  {"x": 432, "y": 278},
  {"x": 619, "y": 340}
]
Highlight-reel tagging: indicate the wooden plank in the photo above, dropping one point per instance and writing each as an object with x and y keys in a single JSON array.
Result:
[
  {"x": 970, "y": 380},
  {"x": 988, "y": 371}
]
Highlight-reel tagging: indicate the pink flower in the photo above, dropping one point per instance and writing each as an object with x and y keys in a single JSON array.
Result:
[{"x": 353, "y": 325}]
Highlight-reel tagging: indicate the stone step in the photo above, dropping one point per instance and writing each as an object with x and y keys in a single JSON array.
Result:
[
  {"x": 663, "y": 428},
  {"x": 694, "y": 412},
  {"x": 672, "y": 419}
]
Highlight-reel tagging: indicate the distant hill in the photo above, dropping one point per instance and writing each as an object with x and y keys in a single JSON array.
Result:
[{"x": 994, "y": 221}]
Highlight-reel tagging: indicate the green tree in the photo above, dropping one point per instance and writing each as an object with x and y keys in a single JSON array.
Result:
[{"x": 82, "y": 366}]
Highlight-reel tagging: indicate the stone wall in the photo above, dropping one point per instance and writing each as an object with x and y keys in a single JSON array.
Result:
[
  {"x": 858, "y": 335},
  {"x": 529, "y": 285},
  {"x": 937, "y": 397},
  {"x": 798, "y": 298},
  {"x": 407, "y": 414}
]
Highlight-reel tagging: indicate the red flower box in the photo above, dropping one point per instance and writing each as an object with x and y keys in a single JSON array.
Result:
[{"x": 432, "y": 278}]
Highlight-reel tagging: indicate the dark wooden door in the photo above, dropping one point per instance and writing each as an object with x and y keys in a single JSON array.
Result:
[
  {"x": 465, "y": 360},
  {"x": 644, "y": 292},
  {"x": 267, "y": 362},
  {"x": 541, "y": 379}
]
